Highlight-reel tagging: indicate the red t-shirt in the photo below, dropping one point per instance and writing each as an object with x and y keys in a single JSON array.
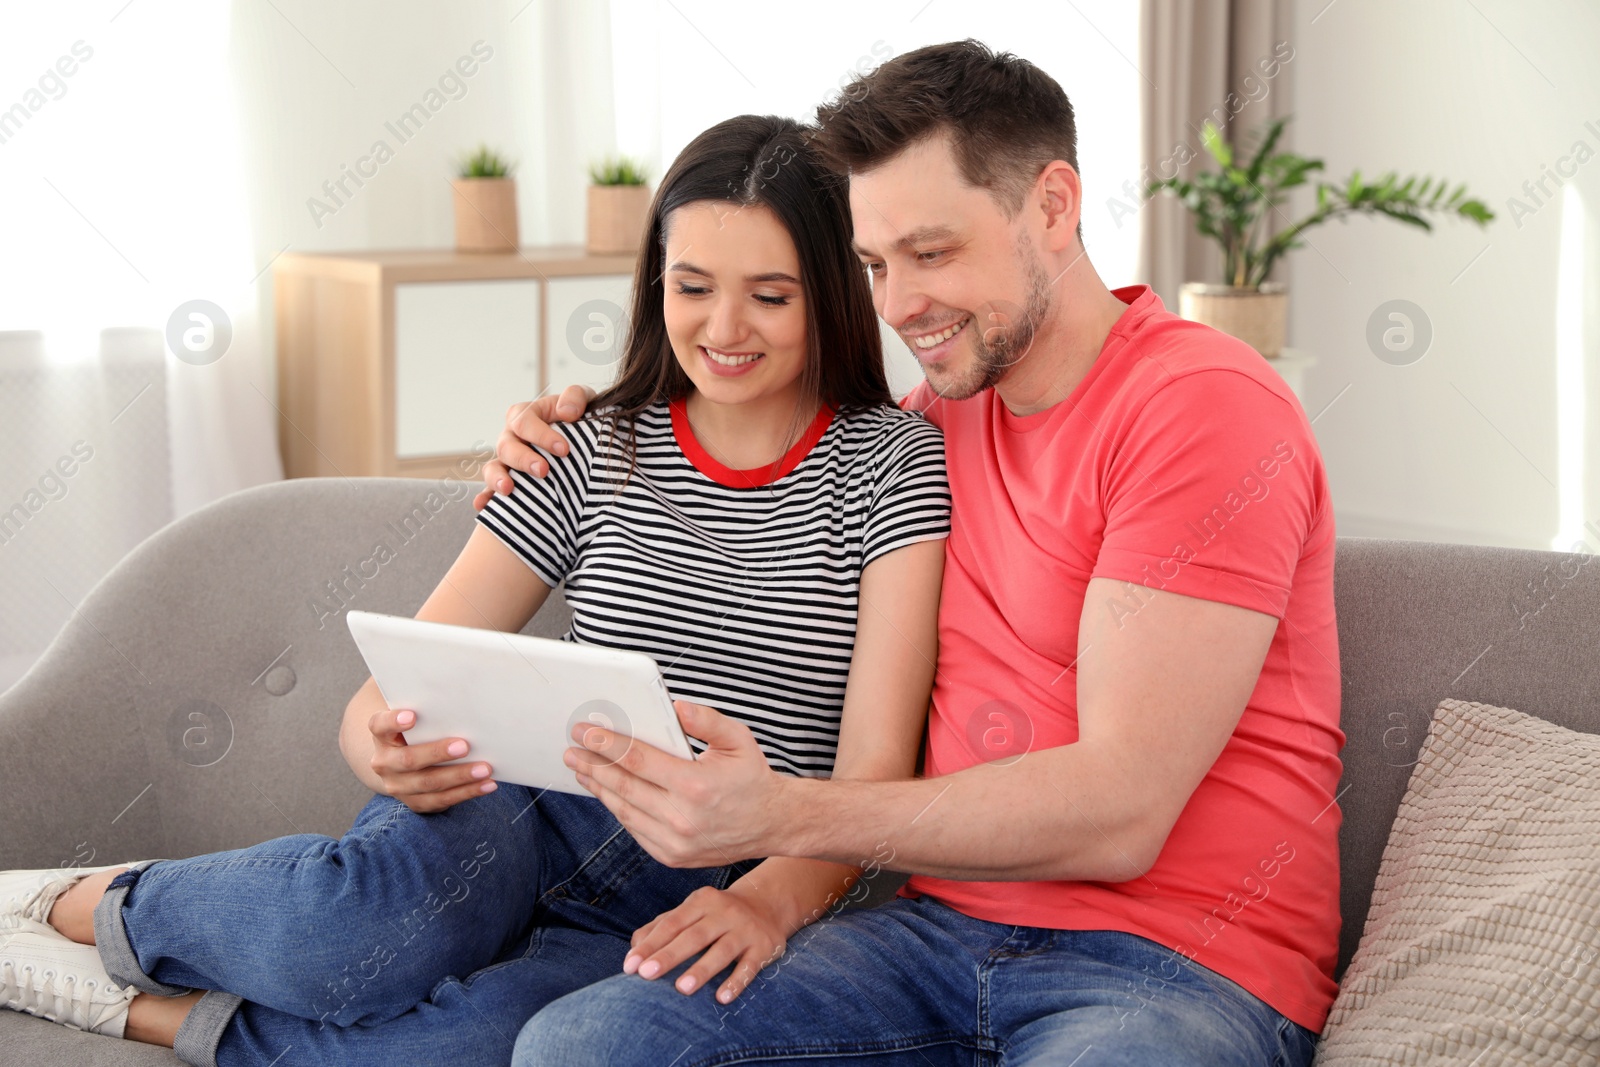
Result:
[{"x": 1181, "y": 462}]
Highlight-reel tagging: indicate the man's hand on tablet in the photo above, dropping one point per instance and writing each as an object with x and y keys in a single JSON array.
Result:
[
  {"x": 717, "y": 809},
  {"x": 529, "y": 423},
  {"x": 411, "y": 773}
]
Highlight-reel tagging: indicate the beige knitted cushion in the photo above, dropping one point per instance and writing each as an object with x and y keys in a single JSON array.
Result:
[{"x": 1483, "y": 943}]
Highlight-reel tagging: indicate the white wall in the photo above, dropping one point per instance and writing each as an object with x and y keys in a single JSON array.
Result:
[
  {"x": 319, "y": 84},
  {"x": 1471, "y": 442}
]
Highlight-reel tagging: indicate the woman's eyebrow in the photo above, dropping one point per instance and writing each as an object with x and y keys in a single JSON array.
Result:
[{"x": 769, "y": 276}]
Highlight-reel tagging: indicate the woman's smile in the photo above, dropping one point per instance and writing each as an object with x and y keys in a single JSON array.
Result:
[{"x": 729, "y": 364}]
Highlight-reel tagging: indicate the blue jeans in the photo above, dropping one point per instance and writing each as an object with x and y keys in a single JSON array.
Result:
[
  {"x": 914, "y": 983},
  {"x": 412, "y": 939}
]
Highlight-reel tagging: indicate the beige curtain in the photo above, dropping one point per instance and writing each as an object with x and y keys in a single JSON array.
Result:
[{"x": 1228, "y": 60}]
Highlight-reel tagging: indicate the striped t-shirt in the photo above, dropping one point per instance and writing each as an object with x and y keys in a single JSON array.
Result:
[{"x": 741, "y": 585}]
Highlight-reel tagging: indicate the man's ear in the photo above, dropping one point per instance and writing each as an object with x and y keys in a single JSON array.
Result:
[{"x": 1059, "y": 196}]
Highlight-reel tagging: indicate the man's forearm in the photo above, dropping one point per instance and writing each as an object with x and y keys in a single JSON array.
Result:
[{"x": 1049, "y": 816}]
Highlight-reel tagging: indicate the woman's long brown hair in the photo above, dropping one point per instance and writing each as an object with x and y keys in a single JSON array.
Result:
[{"x": 768, "y": 161}]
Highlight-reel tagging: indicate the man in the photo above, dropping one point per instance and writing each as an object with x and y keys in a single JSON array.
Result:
[{"x": 1125, "y": 838}]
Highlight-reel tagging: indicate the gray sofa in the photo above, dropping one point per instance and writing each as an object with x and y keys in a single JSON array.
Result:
[{"x": 192, "y": 702}]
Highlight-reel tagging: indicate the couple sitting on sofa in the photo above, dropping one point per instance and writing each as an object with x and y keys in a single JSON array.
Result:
[{"x": 1100, "y": 602}]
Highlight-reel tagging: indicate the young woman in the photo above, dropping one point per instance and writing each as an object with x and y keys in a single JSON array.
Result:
[{"x": 724, "y": 508}]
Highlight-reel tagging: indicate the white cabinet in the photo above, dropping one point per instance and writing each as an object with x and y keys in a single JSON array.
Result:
[
  {"x": 463, "y": 351},
  {"x": 584, "y": 329},
  {"x": 401, "y": 362}
]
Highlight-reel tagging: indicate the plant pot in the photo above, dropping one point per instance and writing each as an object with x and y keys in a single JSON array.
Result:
[
  {"x": 486, "y": 214},
  {"x": 1255, "y": 316},
  {"x": 617, "y": 217}
]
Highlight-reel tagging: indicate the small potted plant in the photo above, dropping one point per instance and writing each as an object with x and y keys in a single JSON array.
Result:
[
  {"x": 619, "y": 206},
  {"x": 1234, "y": 205},
  {"x": 486, "y": 203}
]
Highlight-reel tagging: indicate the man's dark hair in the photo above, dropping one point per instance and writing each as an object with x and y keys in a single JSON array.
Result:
[{"x": 1006, "y": 118}]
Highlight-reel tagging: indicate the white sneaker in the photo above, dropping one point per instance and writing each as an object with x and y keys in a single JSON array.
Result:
[
  {"x": 31, "y": 894},
  {"x": 44, "y": 974}
]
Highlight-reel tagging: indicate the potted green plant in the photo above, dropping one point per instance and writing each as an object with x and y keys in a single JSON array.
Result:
[
  {"x": 486, "y": 203},
  {"x": 1234, "y": 206},
  {"x": 619, "y": 206}
]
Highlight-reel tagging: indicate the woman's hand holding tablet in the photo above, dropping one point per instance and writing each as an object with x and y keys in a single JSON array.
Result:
[{"x": 412, "y": 772}]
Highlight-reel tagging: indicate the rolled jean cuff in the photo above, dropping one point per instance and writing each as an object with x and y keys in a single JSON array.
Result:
[
  {"x": 197, "y": 1038},
  {"x": 111, "y": 937}
]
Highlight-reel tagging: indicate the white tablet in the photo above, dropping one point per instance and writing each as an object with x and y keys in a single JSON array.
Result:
[{"x": 514, "y": 698}]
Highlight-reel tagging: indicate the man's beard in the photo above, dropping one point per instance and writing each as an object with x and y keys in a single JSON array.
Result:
[{"x": 1005, "y": 334}]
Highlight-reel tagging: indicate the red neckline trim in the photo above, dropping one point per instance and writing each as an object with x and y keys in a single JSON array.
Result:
[{"x": 756, "y": 476}]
